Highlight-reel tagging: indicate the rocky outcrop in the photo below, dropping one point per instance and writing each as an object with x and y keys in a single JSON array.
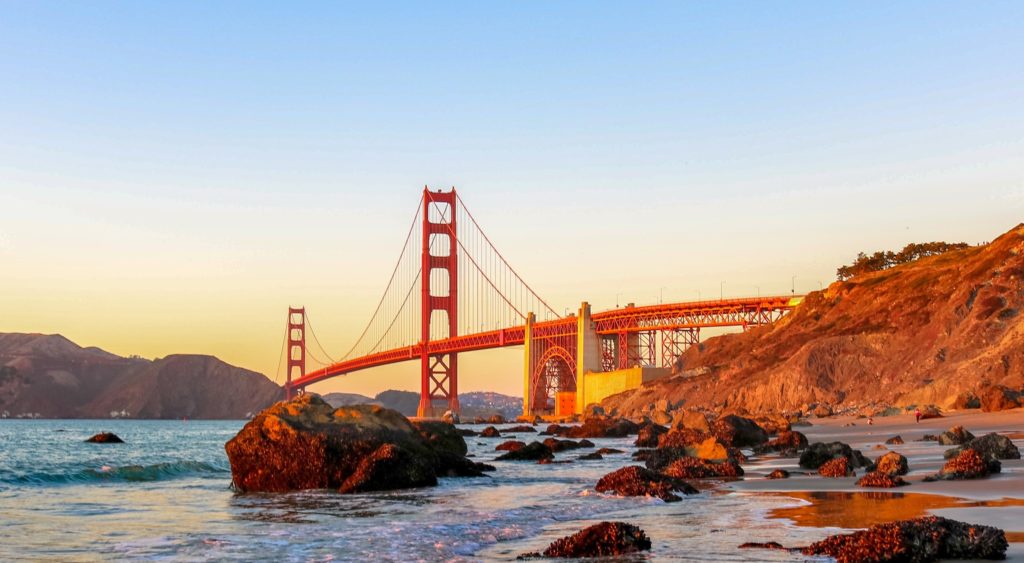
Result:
[
  {"x": 534, "y": 451},
  {"x": 648, "y": 435},
  {"x": 739, "y": 432},
  {"x": 919, "y": 333},
  {"x": 686, "y": 418},
  {"x": 955, "y": 436},
  {"x": 607, "y": 539},
  {"x": 788, "y": 442},
  {"x": 1000, "y": 398},
  {"x": 923, "y": 539},
  {"x": 105, "y": 438},
  {"x": 635, "y": 481},
  {"x": 990, "y": 446},
  {"x": 696, "y": 468},
  {"x": 819, "y": 453},
  {"x": 306, "y": 444}
]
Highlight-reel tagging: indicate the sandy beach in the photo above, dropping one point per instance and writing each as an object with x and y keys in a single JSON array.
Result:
[{"x": 997, "y": 500}]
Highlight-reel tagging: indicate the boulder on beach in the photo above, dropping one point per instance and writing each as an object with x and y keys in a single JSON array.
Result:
[
  {"x": 306, "y": 444},
  {"x": 968, "y": 464},
  {"x": 738, "y": 431},
  {"x": 955, "y": 436},
  {"x": 891, "y": 463},
  {"x": 607, "y": 539},
  {"x": 686, "y": 418},
  {"x": 788, "y": 442},
  {"x": 105, "y": 438},
  {"x": 928, "y": 538},
  {"x": 895, "y": 441},
  {"x": 534, "y": 451},
  {"x": 990, "y": 446},
  {"x": 930, "y": 411},
  {"x": 966, "y": 400},
  {"x": 636, "y": 481},
  {"x": 778, "y": 474},
  {"x": 647, "y": 436},
  {"x": 999, "y": 398},
  {"x": 820, "y": 452}
]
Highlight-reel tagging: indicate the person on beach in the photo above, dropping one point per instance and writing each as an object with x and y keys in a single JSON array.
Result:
[{"x": 917, "y": 415}]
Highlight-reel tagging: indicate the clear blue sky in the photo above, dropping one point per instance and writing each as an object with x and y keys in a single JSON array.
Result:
[{"x": 167, "y": 161}]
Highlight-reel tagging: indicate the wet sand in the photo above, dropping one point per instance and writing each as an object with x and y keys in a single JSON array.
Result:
[{"x": 838, "y": 503}]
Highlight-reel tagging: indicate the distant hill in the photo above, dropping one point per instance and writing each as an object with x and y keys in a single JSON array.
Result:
[
  {"x": 473, "y": 404},
  {"x": 934, "y": 330},
  {"x": 49, "y": 375}
]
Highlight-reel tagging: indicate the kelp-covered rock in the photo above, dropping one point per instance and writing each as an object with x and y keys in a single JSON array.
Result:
[
  {"x": 738, "y": 431},
  {"x": 928, "y": 538},
  {"x": 820, "y": 452},
  {"x": 648, "y": 435},
  {"x": 306, "y": 444},
  {"x": 836, "y": 467},
  {"x": 682, "y": 438},
  {"x": 879, "y": 479},
  {"x": 534, "y": 451},
  {"x": 787, "y": 442},
  {"x": 990, "y": 446},
  {"x": 606, "y": 539},
  {"x": 636, "y": 481},
  {"x": 778, "y": 474},
  {"x": 696, "y": 468},
  {"x": 105, "y": 438},
  {"x": 955, "y": 436},
  {"x": 968, "y": 464},
  {"x": 891, "y": 463}
]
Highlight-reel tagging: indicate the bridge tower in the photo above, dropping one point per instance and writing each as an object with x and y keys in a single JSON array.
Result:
[
  {"x": 439, "y": 373},
  {"x": 296, "y": 346}
]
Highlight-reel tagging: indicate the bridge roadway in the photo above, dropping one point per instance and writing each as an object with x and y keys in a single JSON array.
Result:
[{"x": 625, "y": 321}]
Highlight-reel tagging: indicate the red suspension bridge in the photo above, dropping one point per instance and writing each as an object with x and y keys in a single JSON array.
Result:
[{"x": 452, "y": 292}]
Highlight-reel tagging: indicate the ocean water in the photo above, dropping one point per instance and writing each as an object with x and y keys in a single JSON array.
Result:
[{"x": 165, "y": 494}]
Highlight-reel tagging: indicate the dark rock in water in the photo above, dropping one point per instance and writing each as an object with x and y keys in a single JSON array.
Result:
[
  {"x": 555, "y": 429},
  {"x": 590, "y": 456},
  {"x": 636, "y": 481},
  {"x": 778, "y": 474},
  {"x": 990, "y": 446},
  {"x": 606, "y": 451},
  {"x": 820, "y": 452},
  {"x": 306, "y": 444},
  {"x": 557, "y": 445},
  {"x": 891, "y": 463},
  {"x": 788, "y": 441},
  {"x": 879, "y": 479},
  {"x": 533, "y": 451},
  {"x": 490, "y": 432},
  {"x": 697, "y": 468},
  {"x": 894, "y": 441},
  {"x": 955, "y": 436},
  {"x": 928, "y": 538},
  {"x": 105, "y": 438},
  {"x": 552, "y": 461},
  {"x": 602, "y": 427},
  {"x": 660, "y": 458},
  {"x": 738, "y": 432},
  {"x": 968, "y": 464},
  {"x": 606, "y": 539},
  {"x": 510, "y": 446},
  {"x": 648, "y": 435},
  {"x": 518, "y": 429},
  {"x": 836, "y": 467}
]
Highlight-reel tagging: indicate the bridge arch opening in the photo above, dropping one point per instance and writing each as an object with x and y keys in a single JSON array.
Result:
[{"x": 554, "y": 372}]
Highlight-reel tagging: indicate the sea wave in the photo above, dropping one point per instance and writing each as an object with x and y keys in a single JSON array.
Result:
[{"x": 154, "y": 472}]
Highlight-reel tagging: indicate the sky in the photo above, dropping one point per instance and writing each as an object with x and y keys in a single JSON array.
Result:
[{"x": 174, "y": 175}]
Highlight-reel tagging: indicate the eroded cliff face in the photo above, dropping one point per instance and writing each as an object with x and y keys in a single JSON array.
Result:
[
  {"x": 923, "y": 332},
  {"x": 56, "y": 378}
]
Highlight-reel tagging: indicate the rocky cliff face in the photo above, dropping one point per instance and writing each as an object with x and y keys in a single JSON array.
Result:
[
  {"x": 924, "y": 332},
  {"x": 54, "y": 377}
]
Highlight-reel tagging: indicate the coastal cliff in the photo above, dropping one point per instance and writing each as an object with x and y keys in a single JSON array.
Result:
[{"x": 939, "y": 330}]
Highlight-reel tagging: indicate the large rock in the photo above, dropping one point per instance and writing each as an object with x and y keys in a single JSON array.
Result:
[
  {"x": 968, "y": 464},
  {"x": 1000, "y": 398},
  {"x": 928, "y": 538},
  {"x": 787, "y": 442},
  {"x": 648, "y": 435},
  {"x": 820, "y": 452},
  {"x": 685, "y": 418},
  {"x": 955, "y": 436},
  {"x": 990, "y": 446},
  {"x": 306, "y": 444},
  {"x": 557, "y": 445},
  {"x": 966, "y": 400},
  {"x": 738, "y": 431},
  {"x": 510, "y": 446},
  {"x": 636, "y": 481},
  {"x": 607, "y": 539},
  {"x": 105, "y": 438},
  {"x": 836, "y": 467},
  {"x": 891, "y": 463},
  {"x": 534, "y": 451},
  {"x": 696, "y": 468},
  {"x": 682, "y": 438}
]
